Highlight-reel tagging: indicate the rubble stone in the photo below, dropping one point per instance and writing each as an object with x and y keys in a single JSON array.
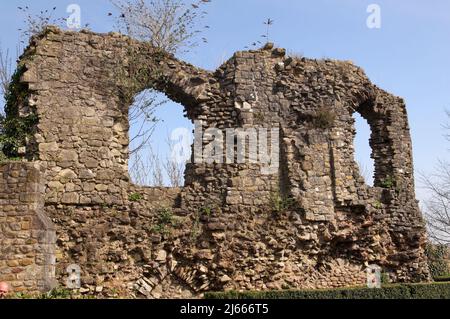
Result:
[{"x": 311, "y": 222}]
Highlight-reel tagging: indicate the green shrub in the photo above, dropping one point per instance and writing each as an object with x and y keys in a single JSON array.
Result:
[
  {"x": 57, "y": 293},
  {"x": 393, "y": 291},
  {"x": 389, "y": 182},
  {"x": 165, "y": 220},
  {"x": 135, "y": 197},
  {"x": 281, "y": 203},
  {"x": 324, "y": 118},
  {"x": 384, "y": 278},
  {"x": 437, "y": 263},
  {"x": 165, "y": 216},
  {"x": 442, "y": 278}
]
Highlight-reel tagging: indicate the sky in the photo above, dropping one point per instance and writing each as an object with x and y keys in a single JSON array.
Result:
[{"x": 409, "y": 55}]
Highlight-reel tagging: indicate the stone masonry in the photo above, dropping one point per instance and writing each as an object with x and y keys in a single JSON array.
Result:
[
  {"x": 27, "y": 237},
  {"x": 311, "y": 223}
]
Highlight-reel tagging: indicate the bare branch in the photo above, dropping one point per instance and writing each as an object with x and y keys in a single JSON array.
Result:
[
  {"x": 6, "y": 69},
  {"x": 167, "y": 24},
  {"x": 365, "y": 172},
  {"x": 437, "y": 207},
  {"x": 36, "y": 23},
  {"x": 142, "y": 116},
  {"x": 173, "y": 168}
]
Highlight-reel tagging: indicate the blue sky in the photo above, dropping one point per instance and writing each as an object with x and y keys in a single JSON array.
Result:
[{"x": 408, "y": 56}]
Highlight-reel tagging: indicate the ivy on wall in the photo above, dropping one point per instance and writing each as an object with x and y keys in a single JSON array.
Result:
[{"x": 15, "y": 129}]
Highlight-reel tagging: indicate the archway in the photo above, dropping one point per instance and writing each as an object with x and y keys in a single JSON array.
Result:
[{"x": 160, "y": 140}]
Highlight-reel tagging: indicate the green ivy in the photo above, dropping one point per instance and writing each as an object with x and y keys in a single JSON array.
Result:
[{"x": 14, "y": 129}]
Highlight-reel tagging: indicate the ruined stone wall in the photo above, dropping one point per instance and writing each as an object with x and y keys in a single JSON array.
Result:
[
  {"x": 27, "y": 236},
  {"x": 311, "y": 222}
]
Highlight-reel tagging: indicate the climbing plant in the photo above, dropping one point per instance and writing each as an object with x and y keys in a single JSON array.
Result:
[{"x": 15, "y": 129}]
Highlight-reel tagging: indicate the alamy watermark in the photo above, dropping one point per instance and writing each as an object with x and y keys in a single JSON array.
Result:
[
  {"x": 373, "y": 273},
  {"x": 73, "y": 21},
  {"x": 231, "y": 145},
  {"x": 73, "y": 280},
  {"x": 374, "y": 19}
]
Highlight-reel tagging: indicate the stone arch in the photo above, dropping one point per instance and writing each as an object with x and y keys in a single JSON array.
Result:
[
  {"x": 143, "y": 67},
  {"x": 83, "y": 123},
  {"x": 160, "y": 140}
]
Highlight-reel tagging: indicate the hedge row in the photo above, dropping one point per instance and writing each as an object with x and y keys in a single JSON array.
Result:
[
  {"x": 442, "y": 278},
  {"x": 439, "y": 290}
]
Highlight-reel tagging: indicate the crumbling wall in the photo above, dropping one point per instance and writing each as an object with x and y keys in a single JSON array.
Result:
[
  {"x": 27, "y": 236},
  {"x": 310, "y": 222}
]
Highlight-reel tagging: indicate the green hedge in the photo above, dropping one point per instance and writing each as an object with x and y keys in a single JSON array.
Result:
[
  {"x": 439, "y": 290},
  {"x": 442, "y": 278},
  {"x": 57, "y": 293},
  {"x": 437, "y": 262}
]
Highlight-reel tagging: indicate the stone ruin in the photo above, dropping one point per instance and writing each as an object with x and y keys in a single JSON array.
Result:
[{"x": 310, "y": 223}]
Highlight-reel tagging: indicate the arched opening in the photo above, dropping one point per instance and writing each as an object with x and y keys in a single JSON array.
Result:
[
  {"x": 160, "y": 140},
  {"x": 363, "y": 150}
]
